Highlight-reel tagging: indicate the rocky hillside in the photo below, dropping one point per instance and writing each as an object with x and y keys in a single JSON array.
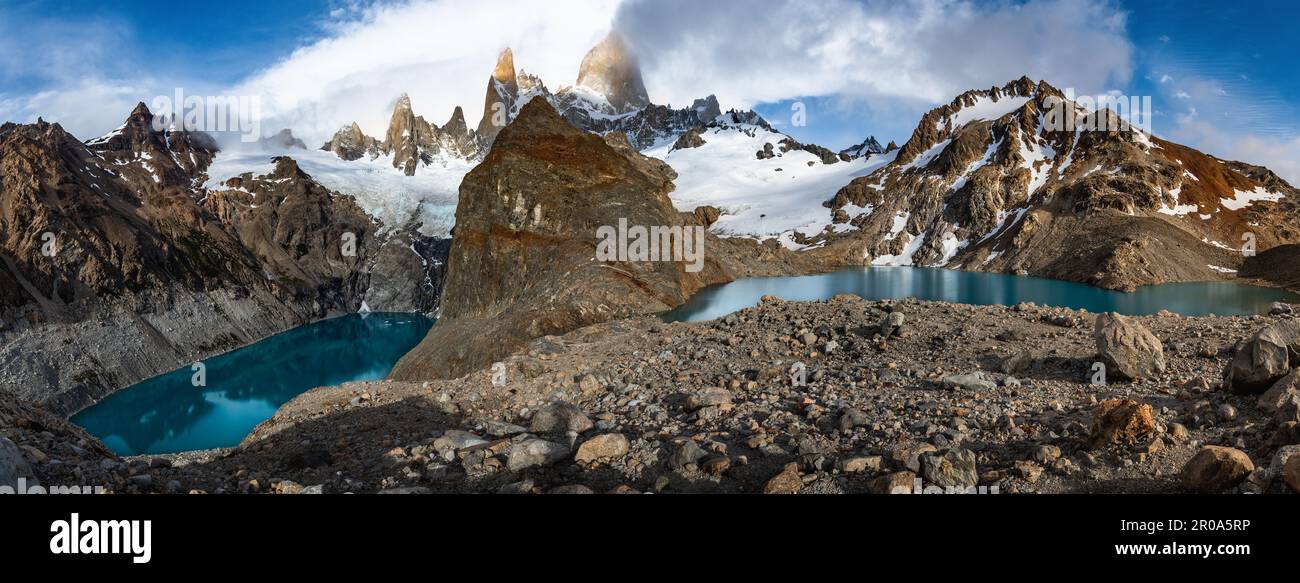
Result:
[
  {"x": 118, "y": 265},
  {"x": 986, "y": 183},
  {"x": 523, "y": 257}
]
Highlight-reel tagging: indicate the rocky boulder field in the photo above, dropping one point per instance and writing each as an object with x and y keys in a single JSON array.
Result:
[{"x": 959, "y": 397}]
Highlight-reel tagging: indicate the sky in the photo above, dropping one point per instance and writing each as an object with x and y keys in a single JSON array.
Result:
[{"x": 1222, "y": 75}]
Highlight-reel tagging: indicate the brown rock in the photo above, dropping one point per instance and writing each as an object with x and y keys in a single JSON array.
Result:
[
  {"x": 895, "y": 483},
  {"x": 1291, "y": 473},
  {"x": 786, "y": 482},
  {"x": 1215, "y": 469},
  {"x": 610, "y": 446},
  {"x": 1122, "y": 421}
]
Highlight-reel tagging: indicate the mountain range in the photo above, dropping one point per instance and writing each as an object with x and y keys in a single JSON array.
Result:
[{"x": 169, "y": 249}]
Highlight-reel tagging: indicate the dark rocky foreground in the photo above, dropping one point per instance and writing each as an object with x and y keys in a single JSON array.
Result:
[{"x": 954, "y": 395}]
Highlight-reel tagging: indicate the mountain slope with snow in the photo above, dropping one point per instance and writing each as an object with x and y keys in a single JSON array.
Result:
[{"x": 990, "y": 182}]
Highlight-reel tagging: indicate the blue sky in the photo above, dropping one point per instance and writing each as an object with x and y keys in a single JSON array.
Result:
[{"x": 1222, "y": 75}]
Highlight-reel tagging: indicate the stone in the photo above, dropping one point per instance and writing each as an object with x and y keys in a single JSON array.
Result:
[
  {"x": 955, "y": 468},
  {"x": 710, "y": 397},
  {"x": 1045, "y": 454},
  {"x": 1127, "y": 348},
  {"x": 534, "y": 452},
  {"x": 1016, "y": 362},
  {"x": 892, "y": 324},
  {"x": 860, "y": 464},
  {"x": 689, "y": 453},
  {"x": 1291, "y": 473},
  {"x": 13, "y": 465},
  {"x": 1027, "y": 470},
  {"x": 455, "y": 440},
  {"x": 406, "y": 491},
  {"x": 970, "y": 382},
  {"x": 571, "y": 489},
  {"x": 852, "y": 418},
  {"x": 895, "y": 483},
  {"x": 1281, "y": 457},
  {"x": 609, "y": 446},
  {"x": 1265, "y": 358},
  {"x": 716, "y": 465},
  {"x": 1215, "y": 469},
  {"x": 520, "y": 487},
  {"x": 909, "y": 455},
  {"x": 786, "y": 482},
  {"x": 560, "y": 418},
  {"x": 1278, "y": 394},
  {"x": 1122, "y": 421}
]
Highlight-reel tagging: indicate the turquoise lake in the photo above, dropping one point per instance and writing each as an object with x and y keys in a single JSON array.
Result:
[
  {"x": 969, "y": 287},
  {"x": 168, "y": 414}
]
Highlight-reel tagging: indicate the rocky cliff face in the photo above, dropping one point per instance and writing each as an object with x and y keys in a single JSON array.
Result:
[
  {"x": 610, "y": 69},
  {"x": 523, "y": 260},
  {"x": 609, "y": 96},
  {"x": 115, "y": 267},
  {"x": 986, "y": 183},
  {"x": 350, "y": 144}
]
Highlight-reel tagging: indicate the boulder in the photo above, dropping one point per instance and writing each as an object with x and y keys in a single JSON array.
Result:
[
  {"x": 954, "y": 469},
  {"x": 786, "y": 482},
  {"x": 609, "y": 446},
  {"x": 560, "y": 417},
  {"x": 1127, "y": 348},
  {"x": 13, "y": 465},
  {"x": 971, "y": 382},
  {"x": 534, "y": 452},
  {"x": 896, "y": 483},
  {"x": 1215, "y": 469},
  {"x": 1264, "y": 359},
  {"x": 1122, "y": 421},
  {"x": 1291, "y": 473}
]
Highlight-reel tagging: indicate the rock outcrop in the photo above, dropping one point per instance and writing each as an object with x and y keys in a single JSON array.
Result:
[
  {"x": 523, "y": 261},
  {"x": 350, "y": 143}
]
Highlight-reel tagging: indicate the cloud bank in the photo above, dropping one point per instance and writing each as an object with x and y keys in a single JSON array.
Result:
[{"x": 753, "y": 51}]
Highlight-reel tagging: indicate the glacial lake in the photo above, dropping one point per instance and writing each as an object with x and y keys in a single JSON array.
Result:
[
  {"x": 968, "y": 287},
  {"x": 169, "y": 414}
]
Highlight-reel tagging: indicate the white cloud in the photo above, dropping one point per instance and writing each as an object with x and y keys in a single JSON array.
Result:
[
  {"x": 752, "y": 51},
  {"x": 440, "y": 52}
]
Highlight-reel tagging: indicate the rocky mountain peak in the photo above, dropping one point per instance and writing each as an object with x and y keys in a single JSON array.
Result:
[
  {"x": 456, "y": 125},
  {"x": 504, "y": 72},
  {"x": 350, "y": 143},
  {"x": 611, "y": 69}
]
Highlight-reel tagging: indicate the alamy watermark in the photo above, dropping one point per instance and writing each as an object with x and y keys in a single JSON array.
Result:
[
  {"x": 213, "y": 114},
  {"x": 1083, "y": 113},
  {"x": 636, "y": 243}
]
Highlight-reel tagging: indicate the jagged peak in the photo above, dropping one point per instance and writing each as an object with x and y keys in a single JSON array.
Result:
[
  {"x": 504, "y": 71},
  {"x": 611, "y": 69}
]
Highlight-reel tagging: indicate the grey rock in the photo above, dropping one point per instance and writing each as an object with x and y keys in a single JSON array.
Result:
[
  {"x": 955, "y": 468},
  {"x": 1264, "y": 359},
  {"x": 689, "y": 453},
  {"x": 1127, "y": 348},
  {"x": 534, "y": 452},
  {"x": 971, "y": 382},
  {"x": 13, "y": 465},
  {"x": 560, "y": 418}
]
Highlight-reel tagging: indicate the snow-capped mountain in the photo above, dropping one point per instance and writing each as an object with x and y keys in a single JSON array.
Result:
[
  {"x": 987, "y": 183},
  {"x": 764, "y": 184}
]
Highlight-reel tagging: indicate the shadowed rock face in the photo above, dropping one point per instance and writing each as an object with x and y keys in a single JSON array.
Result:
[{"x": 523, "y": 263}]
